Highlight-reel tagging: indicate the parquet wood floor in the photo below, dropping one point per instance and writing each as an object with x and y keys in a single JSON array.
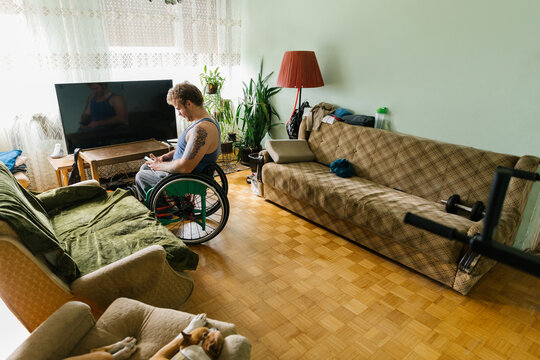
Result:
[{"x": 298, "y": 291}]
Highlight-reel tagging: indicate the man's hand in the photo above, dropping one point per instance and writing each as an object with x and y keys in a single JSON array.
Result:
[{"x": 157, "y": 163}]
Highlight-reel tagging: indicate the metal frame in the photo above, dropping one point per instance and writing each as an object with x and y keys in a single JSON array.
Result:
[{"x": 483, "y": 243}]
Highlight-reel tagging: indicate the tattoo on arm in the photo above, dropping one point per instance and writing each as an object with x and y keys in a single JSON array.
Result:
[{"x": 200, "y": 139}]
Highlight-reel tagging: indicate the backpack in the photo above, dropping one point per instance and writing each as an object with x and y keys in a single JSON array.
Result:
[{"x": 293, "y": 125}]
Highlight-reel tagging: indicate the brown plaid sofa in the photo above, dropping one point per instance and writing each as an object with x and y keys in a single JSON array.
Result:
[{"x": 396, "y": 173}]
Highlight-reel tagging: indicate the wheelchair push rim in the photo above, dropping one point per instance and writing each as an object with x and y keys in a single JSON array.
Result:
[
  {"x": 182, "y": 203},
  {"x": 217, "y": 174}
]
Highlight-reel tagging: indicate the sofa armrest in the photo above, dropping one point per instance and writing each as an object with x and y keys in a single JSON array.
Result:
[
  {"x": 29, "y": 288},
  {"x": 266, "y": 156},
  {"x": 514, "y": 204},
  {"x": 58, "y": 335},
  {"x": 302, "y": 130},
  {"x": 145, "y": 276},
  {"x": 285, "y": 151},
  {"x": 236, "y": 347}
]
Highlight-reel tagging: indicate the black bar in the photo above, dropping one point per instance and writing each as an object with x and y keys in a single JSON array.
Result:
[
  {"x": 522, "y": 174},
  {"x": 436, "y": 228},
  {"x": 501, "y": 179},
  {"x": 507, "y": 255}
]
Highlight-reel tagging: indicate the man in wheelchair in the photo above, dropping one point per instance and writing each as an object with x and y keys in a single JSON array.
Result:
[{"x": 197, "y": 147}]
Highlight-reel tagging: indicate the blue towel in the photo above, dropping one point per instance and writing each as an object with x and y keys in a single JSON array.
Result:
[
  {"x": 342, "y": 168},
  {"x": 9, "y": 157}
]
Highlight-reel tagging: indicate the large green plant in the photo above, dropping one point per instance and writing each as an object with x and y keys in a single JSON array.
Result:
[{"x": 255, "y": 111}]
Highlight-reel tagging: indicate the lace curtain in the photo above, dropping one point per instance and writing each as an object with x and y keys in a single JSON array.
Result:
[{"x": 46, "y": 42}]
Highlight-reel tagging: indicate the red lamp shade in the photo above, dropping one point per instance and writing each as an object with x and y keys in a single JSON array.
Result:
[{"x": 299, "y": 69}]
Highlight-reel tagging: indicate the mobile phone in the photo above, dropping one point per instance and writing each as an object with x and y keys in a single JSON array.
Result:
[{"x": 148, "y": 159}]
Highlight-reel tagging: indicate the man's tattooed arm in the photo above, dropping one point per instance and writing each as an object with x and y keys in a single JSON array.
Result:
[{"x": 198, "y": 142}]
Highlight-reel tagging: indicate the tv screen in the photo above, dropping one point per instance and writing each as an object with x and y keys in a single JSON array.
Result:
[{"x": 107, "y": 113}]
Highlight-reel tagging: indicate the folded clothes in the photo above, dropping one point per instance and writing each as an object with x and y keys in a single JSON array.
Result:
[
  {"x": 19, "y": 168},
  {"x": 341, "y": 112},
  {"x": 329, "y": 119}
]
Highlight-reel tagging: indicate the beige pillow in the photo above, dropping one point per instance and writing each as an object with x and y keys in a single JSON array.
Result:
[{"x": 289, "y": 150}]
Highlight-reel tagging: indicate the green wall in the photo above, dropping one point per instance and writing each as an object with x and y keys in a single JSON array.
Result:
[{"x": 461, "y": 71}]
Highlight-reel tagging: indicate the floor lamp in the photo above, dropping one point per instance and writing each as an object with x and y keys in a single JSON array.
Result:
[{"x": 299, "y": 69}]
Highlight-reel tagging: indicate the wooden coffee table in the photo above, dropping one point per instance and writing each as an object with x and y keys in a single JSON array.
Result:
[{"x": 114, "y": 154}]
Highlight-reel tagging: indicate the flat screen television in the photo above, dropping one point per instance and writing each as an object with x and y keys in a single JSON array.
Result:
[{"x": 108, "y": 113}]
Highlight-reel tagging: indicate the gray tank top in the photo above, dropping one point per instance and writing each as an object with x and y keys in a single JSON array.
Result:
[{"x": 207, "y": 158}]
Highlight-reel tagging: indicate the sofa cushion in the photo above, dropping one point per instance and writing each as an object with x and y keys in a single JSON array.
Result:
[
  {"x": 383, "y": 211},
  {"x": 365, "y": 203}
]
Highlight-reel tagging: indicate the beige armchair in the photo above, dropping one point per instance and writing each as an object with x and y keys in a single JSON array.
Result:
[
  {"x": 72, "y": 330},
  {"x": 33, "y": 292}
]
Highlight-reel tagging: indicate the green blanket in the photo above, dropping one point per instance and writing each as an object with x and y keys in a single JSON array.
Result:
[
  {"x": 110, "y": 227},
  {"x": 86, "y": 226},
  {"x": 28, "y": 217}
]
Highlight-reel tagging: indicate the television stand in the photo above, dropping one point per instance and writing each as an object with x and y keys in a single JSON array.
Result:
[{"x": 115, "y": 154}]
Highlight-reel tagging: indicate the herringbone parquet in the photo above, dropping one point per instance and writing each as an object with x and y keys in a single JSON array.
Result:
[{"x": 298, "y": 291}]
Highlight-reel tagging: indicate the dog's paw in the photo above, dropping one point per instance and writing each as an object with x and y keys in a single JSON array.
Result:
[
  {"x": 126, "y": 352},
  {"x": 197, "y": 322},
  {"x": 119, "y": 345}
]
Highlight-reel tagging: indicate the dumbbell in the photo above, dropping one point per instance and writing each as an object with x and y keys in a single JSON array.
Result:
[{"x": 454, "y": 203}]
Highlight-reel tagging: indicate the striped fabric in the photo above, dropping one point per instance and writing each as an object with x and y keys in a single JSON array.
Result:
[
  {"x": 430, "y": 169},
  {"x": 365, "y": 203}
]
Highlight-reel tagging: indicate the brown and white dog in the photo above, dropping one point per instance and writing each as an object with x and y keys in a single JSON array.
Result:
[
  {"x": 196, "y": 342},
  {"x": 202, "y": 344}
]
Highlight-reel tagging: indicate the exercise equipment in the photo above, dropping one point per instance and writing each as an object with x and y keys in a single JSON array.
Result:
[
  {"x": 454, "y": 203},
  {"x": 483, "y": 243}
]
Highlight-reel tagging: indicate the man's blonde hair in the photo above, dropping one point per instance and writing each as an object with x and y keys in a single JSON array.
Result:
[{"x": 183, "y": 92}]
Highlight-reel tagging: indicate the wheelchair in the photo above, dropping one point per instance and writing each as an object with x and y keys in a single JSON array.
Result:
[{"x": 193, "y": 206}]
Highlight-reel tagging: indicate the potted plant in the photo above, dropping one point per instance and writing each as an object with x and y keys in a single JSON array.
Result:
[
  {"x": 225, "y": 117},
  {"x": 212, "y": 81},
  {"x": 255, "y": 113}
]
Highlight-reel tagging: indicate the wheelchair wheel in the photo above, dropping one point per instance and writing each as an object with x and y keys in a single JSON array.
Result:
[
  {"x": 218, "y": 175},
  {"x": 181, "y": 202}
]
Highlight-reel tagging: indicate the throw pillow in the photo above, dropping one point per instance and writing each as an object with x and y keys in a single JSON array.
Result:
[{"x": 289, "y": 150}]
